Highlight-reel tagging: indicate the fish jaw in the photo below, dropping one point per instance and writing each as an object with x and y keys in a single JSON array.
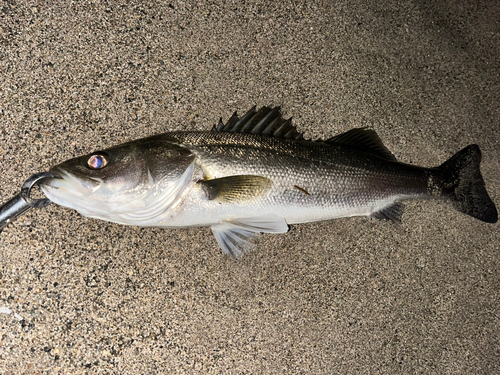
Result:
[{"x": 67, "y": 190}]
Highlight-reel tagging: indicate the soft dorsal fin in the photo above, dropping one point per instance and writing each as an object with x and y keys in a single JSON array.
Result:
[
  {"x": 267, "y": 121},
  {"x": 363, "y": 139}
]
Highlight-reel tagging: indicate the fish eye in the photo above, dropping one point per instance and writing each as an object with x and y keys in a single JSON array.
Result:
[{"x": 97, "y": 161}]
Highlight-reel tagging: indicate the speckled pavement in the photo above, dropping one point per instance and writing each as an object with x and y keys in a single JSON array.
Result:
[{"x": 350, "y": 296}]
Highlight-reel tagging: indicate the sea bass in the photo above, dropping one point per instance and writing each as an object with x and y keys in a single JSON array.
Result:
[{"x": 258, "y": 174}]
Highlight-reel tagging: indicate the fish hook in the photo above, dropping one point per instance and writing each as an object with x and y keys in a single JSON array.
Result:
[{"x": 23, "y": 202}]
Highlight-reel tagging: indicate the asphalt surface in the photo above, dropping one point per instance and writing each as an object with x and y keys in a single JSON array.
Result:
[{"x": 350, "y": 296}]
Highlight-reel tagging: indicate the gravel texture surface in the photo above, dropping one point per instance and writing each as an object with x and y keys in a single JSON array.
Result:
[{"x": 350, "y": 296}]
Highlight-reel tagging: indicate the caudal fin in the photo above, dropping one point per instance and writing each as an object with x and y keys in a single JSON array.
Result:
[{"x": 460, "y": 179}]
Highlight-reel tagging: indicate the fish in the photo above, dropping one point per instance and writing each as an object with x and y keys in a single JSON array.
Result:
[{"x": 257, "y": 174}]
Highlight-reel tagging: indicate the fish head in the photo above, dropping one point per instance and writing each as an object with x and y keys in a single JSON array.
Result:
[{"x": 123, "y": 180}]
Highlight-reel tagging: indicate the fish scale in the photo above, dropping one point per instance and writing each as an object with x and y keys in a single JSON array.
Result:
[{"x": 334, "y": 176}]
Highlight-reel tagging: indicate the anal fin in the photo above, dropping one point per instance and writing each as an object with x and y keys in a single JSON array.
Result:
[
  {"x": 232, "y": 235},
  {"x": 394, "y": 212}
]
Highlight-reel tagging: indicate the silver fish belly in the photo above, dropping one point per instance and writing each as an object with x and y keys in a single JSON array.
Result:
[{"x": 257, "y": 174}]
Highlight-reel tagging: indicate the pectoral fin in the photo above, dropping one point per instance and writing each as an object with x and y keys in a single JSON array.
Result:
[
  {"x": 233, "y": 189},
  {"x": 232, "y": 235}
]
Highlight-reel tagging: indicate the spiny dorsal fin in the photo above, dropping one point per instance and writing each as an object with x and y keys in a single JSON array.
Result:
[
  {"x": 267, "y": 121},
  {"x": 234, "y": 189},
  {"x": 363, "y": 139}
]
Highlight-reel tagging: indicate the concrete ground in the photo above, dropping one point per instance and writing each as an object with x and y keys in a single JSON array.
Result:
[{"x": 350, "y": 296}]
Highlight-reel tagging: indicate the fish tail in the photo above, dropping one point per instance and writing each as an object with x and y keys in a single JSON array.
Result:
[{"x": 460, "y": 180}]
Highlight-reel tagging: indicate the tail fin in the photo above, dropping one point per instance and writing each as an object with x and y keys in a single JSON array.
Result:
[{"x": 460, "y": 179}]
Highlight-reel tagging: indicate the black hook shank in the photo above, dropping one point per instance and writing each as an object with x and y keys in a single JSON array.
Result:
[{"x": 22, "y": 202}]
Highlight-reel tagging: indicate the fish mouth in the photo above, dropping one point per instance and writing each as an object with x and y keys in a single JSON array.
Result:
[
  {"x": 84, "y": 185},
  {"x": 52, "y": 180},
  {"x": 69, "y": 189}
]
